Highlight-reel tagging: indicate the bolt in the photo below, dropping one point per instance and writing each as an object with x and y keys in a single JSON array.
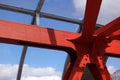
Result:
[
  {"x": 84, "y": 64},
  {"x": 86, "y": 59},
  {"x": 100, "y": 58}
]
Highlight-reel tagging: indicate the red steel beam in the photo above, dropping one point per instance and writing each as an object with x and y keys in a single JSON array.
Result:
[
  {"x": 113, "y": 48},
  {"x": 115, "y": 35},
  {"x": 86, "y": 48},
  {"x": 91, "y": 14},
  {"x": 99, "y": 70},
  {"x": 109, "y": 28},
  {"x": 112, "y": 31},
  {"x": 16, "y": 33},
  {"x": 37, "y": 36},
  {"x": 97, "y": 67}
]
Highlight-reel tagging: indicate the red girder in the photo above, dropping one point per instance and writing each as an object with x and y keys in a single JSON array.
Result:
[
  {"x": 84, "y": 49},
  {"x": 88, "y": 50},
  {"x": 16, "y": 33},
  {"x": 113, "y": 48},
  {"x": 110, "y": 28},
  {"x": 96, "y": 47},
  {"x": 115, "y": 35},
  {"x": 91, "y": 14}
]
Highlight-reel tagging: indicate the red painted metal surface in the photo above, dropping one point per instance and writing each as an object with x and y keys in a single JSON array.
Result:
[
  {"x": 113, "y": 48},
  {"x": 87, "y": 48},
  {"x": 29, "y": 35},
  {"x": 16, "y": 33},
  {"x": 91, "y": 14},
  {"x": 108, "y": 29},
  {"x": 115, "y": 35}
]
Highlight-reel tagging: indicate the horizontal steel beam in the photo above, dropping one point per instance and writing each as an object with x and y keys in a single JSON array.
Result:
[
  {"x": 29, "y": 35},
  {"x": 17, "y": 9},
  {"x": 61, "y": 18},
  {"x": 42, "y": 14}
]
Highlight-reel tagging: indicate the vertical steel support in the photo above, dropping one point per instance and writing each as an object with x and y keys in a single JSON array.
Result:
[
  {"x": 21, "y": 62},
  {"x": 67, "y": 64},
  {"x": 36, "y": 21},
  {"x": 24, "y": 51}
]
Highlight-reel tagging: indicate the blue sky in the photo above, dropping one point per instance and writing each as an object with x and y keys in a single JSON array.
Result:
[{"x": 38, "y": 58}]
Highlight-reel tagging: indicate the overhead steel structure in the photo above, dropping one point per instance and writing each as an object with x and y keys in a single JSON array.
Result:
[{"x": 87, "y": 48}]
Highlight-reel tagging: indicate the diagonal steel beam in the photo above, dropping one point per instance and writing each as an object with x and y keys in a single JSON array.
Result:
[
  {"x": 40, "y": 4},
  {"x": 113, "y": 49},
  {"x": 110, "y": 28},
  {"x": 91, "y": 14},
  {"x": 21, "y": 63}
]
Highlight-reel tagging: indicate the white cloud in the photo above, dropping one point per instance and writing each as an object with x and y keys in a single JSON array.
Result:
[
  {"x": 109, "y": 10},
  {"x": 42, "y": 78},
  {"x": 79, "y": 8},
  {"x": 9, "y": 72},
  {"x": 111, "y": 69}
]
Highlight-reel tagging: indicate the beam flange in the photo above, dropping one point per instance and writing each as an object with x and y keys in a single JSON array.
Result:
[
  {"x": 113, "y": 49},
  {"x": 110, "y": 28},
  {"x": 16, "y": 33}
]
